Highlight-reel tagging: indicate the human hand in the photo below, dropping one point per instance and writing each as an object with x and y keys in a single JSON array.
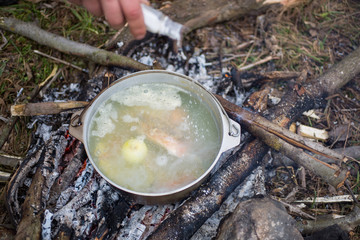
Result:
[{"x": 117, "y": 12}]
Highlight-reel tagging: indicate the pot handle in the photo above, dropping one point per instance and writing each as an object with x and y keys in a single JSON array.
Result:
[
  {"x": 232, "y": 134},
  {"x": 76, "y": 126}
]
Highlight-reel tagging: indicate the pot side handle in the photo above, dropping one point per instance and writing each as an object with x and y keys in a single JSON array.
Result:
[
  {"x": 76, "y": 129},
  {"x": 232, "y": 135}
]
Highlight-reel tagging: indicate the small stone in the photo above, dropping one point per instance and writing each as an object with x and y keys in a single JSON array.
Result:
[{"x": 258, "y": 218}]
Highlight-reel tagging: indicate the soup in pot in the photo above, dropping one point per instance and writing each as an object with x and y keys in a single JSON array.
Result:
[{"x": 153, "y": 138}]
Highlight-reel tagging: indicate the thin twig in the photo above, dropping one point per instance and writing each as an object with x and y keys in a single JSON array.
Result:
[
  {"x": 45, "y": 84},
  {"x": 267, "y": 59},
  {"x": 294, "y": 209},
  {"x": 4, "y": 39},
  {"x": 354, "y": 197},
  {"x": 61, "y": 61}
]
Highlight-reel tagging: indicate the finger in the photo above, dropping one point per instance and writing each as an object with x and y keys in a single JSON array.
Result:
[
  {"x": 146, "y": 2},
  {"x": 134, "y": 16},
  {"x": 93, "y": 6},
  {"x": 113, "y": 13}
]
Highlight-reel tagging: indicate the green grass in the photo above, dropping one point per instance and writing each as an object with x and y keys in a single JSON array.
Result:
[{"x": 2, "y": 66}]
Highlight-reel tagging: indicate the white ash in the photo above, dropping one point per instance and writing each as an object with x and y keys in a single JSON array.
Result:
[
  {"x": 46, "y": 225},
  {"x": 27, "y": 182},
  {"x": 241, "y": 96},
  {"x": 68, "y": 214},
  {"x": 83, "y": 221},
  {"x": 119, "y": 44},
  {"x": 253, "y": 185},
  {"x": 131, "y": 225},
  {"x": 103, "y": 187},
  {"x": 66, "y": 92},
  {"x": 44, "y": 131},
  {"x": 140, "y": 224},
  {"x": 84, "y": 177},
  {"x": 64, "y": 198},
  {"x": 146, "y": 60},
  {"x": 104, "y": 193}
]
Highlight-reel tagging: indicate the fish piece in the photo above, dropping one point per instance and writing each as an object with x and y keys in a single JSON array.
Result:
[{"x": 171, "y": 144}]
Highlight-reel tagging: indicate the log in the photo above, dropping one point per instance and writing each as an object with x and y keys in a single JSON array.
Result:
[
  {"x": 45, "y": 108},
  {"x": 17, "y": 180},
  {"x": 67, "y": 176},
  {"x": 108, "y": 228},
  {"x": 67, "y": 46},
  {"x": 32, "y": 210}
]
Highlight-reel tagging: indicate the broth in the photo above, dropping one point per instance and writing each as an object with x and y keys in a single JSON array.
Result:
[{"x": 153, "y": 138}]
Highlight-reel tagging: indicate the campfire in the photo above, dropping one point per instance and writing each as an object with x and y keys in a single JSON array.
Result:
[
  {"x": 57, "y": 193},
  {"x": 79, "y": 202}
]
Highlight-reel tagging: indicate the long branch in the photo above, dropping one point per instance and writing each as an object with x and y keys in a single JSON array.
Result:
[{"x": 67, "y": 46}]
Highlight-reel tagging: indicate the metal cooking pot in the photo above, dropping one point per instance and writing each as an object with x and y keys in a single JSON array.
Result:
[{"x": 229, "y": 130}]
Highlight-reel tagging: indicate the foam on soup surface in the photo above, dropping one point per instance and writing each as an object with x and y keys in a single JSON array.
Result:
[{"x": 153, "y": 138}]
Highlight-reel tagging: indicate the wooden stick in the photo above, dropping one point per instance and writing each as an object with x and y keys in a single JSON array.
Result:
[
  {"x": 45, "y": 108},
  {"x": 264, "y": 60},
  {"x": 333, "y": 199},
  {"x": 67, "y": 46}
]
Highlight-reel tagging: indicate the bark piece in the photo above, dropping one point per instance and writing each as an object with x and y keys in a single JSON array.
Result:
[
  {"x": 313, "y": 133},
  {"x": 258, "y": 219}
]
